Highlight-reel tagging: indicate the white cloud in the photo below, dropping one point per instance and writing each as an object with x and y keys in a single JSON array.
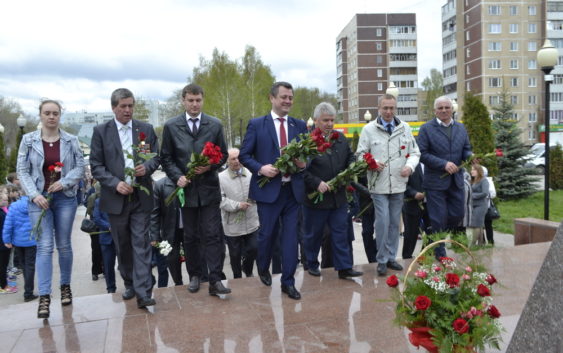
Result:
[{"x": 79, "y": 52}]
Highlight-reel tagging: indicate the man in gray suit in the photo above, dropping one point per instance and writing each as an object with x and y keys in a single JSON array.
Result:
[
  {"x": 201, "y": 215},
  {"x": 128, "y": 207}
]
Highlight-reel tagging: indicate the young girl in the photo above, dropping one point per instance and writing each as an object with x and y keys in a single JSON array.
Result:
[
  {"x": 4, "y": 251},
  {"x": 479, "y": 196}
]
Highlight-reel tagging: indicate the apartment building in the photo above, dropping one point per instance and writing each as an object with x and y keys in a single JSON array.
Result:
[{"x": 371, "y": 51}]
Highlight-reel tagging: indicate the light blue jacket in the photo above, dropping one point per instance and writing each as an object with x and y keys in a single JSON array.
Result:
[{"x": 31, "y": 159}]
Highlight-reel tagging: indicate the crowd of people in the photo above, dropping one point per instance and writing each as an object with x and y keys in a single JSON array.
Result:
[{"x": 416, "y": 182}]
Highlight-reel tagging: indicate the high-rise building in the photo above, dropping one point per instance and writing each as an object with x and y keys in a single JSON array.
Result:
[
  {"x": 555, "y": 35},
  {"x": 371, "y": 51},
  {"x": 490, "y": 48}
]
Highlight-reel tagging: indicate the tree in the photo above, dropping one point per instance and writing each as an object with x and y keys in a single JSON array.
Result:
[
  {"x": 3, "y": 164},
  {"x": 141, "y": 111},
  {"x": 556, "y": 167},
  {"x": 478, "y": 125},
  {"x": 173, "y": 106},
  {"x": 513, "y": 180},
  {"x": 14, "y": 154},
  {"x": 434, "y": 88},
  {"x": 306, "y": 99},
  {"x": 257, "y": 79},
  {"x": 9, "y": 113}
]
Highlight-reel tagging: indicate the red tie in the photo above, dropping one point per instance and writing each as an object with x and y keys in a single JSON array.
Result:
[{"x": 283, "y": 137}]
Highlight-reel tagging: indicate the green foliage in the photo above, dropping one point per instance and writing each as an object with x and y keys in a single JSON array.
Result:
[
  {"x": 478, "y": 125},
  {"x": 306, "y": 99},
  {"x": 531, "y": 206},
  {"x": 141, "y": 111},
  {"x": 3, "y": 164},
  {"x": 434, "y": 88},
  {"x": 14, "y": 154},
  {"x": 556, "y": 167}
]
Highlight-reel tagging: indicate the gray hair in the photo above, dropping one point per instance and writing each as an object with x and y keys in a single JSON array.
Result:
[
  {"x": 232, "y": 150},
  {"x": 324, "y": 108},
  {"x": 119, "y": 94},
  {"x": 442, "y": 99},
  {"x": 386, "y": 96}
]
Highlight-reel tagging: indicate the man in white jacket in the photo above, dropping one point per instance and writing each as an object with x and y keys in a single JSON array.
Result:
[
  {"x": 239, "y": 215},
  {"x": 393, "y": 146}
]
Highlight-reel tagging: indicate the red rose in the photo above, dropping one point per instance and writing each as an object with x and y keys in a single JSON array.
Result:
[
  {"x": 59, "y": 164},
  {"x": 372, "y": 164},
  {"x": 483, "y": 291},
  {"x": 392, "y": 281},
  {"x": 422, "y": 302},
  {"x": 403, "y": 147},
  {"x": 350, "y": 188},
  {"x": 498, "y": 152},
  {"x": 491, "y": 279},
  {"x": 493, "y": 312},
  {"x": 408, "y": 155},
  {"x": 334, "y": 135},
  {"x": 212, "y": 152},
  {"x": 142, "y": 136},
  {"x": 452, "y": 279},
  {"x": 460, "y": 326},
  {"x": 51, "y": 168}
]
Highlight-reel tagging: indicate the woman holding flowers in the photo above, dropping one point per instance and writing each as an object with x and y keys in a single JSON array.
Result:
[
  {"x": 50, "y": 165},
  {"x": 480, "y": 198}
]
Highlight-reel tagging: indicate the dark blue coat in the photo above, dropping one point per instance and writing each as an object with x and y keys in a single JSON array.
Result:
[{"x": 17, "y": 226}]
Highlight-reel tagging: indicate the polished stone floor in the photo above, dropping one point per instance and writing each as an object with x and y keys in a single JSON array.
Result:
[{"x": 334, "y": 315}]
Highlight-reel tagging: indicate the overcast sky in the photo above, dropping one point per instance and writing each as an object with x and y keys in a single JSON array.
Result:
[{"x": 79, "y": 52}]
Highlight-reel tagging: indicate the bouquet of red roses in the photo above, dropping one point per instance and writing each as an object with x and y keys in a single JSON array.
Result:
[
  {"x": 347, "y": 175},
  {"x": 210, "y": 155},
  {"x": 303, "y": 147},
  {"x": 53, "y": 170}
]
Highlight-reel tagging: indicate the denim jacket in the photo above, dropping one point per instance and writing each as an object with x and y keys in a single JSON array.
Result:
[{"x": 31, "y": 159}]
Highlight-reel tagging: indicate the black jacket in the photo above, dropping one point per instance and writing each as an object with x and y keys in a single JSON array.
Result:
[
  {"x": 414, "y": 185},
  {"x": 178, "y": 144},
  {"x": 163, "y": 218},
  {"x": 326, "y": 167}
]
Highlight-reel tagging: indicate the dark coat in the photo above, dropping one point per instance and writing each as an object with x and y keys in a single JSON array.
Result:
[
  {"x": 178, "y": 144},
  {"x": 437, "y": 149},
  {"x": 164, "y": 218},
  {"x": 480, "y": 198},
  {"x": 414, "y": 185},
  {"x": 324, "y": 168},
  {"x": 108, "y": 165}
]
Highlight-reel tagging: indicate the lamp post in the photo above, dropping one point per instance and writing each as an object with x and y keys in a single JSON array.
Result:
[
  {"x": 21, "y": 122},
  {"x": 547, "y": 59},
  {"x": 455, "y": 106},
  {"x": 1, "y": 129},
  {"x": 392, "y": 90},
  {"x": 367, "y": 116},
  {"x": 310, "y": 124}
]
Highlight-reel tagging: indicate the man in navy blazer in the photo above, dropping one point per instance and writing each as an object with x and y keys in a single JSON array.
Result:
[
  {"x": 280, "y": 198},
  {"x": 128, "y": 208},
  {"x": 444, "y": 145}
]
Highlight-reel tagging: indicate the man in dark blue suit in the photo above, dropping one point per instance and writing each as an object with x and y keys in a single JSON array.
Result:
[
  {"x": 444, "y": 145},
  {"x": 279, "y": 198}
]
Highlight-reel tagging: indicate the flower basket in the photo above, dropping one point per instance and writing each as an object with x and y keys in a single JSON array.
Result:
[{"x": 447, "y": 307}]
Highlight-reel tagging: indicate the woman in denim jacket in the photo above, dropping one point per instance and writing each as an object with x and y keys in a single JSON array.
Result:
[{"x": 53, "y": 192}]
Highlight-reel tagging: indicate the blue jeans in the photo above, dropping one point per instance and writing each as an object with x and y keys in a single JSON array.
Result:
[
  {"x": 56, "y": 227},
  {"x": 387, "y": 217},
  {"x": 108, "y": 256}
]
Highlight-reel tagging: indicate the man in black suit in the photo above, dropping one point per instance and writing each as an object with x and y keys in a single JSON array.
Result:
[
  {"x": 128, "y": 207},
  {"x": 201, "y": 215},
  {"x": 414, "y": 209}
]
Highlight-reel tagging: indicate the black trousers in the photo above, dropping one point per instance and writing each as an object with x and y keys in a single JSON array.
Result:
[
  {"x": 97, "y": 259},
  {"x": 173, "y": 259},
  {"x": 489, "y": 229},
  {"x": 368, "y": 230},
  {"x": 242, "y": 252},
  {"x": 27, "y": 260},
  {"x": 4, "y": 259}
]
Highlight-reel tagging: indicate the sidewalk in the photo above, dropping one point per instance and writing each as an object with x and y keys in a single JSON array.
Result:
[{"x": 82, "y": 284}]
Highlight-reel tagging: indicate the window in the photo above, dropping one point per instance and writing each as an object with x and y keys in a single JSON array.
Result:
[
  {"x": 532, "y": 82},
  {"x": 495, "y": 46},
  {"x": 560, "y": 60},
  {"x": 494, "y": 64},
  {"x": 495, "y": 82},
  {"x": 532, "y": 28},
  {"x": 467, "y": 70},
  {"x": 379, "y": 59},
  {"x": 532, "y": 99},
  {"x": 531, "y": 10},
  {"x": 467, "y": 37},
  {"x": 514, "y": 82},
  {"x": 513, "y": 46},
  {"x": 468, "y": 53},
  {"x": 532, "y": 64},
  {"x": 494, "y": 28},
  {"x": 378, "y": 32},
  {"x": 494, "y": 10},
  {"x": 380, "y": 86},
  {"x": 514, "y": 63},
  {"x": 532, "y": 117},
  {"x": 532, "y": 46},
  {"x": 513, "y": 10},
  {"x": 513, "y": 28},
  {"x": 468, "y": 86},
  {"x": 493, "y": 100},
  {"x": 557, "y": 97},
  {"x": 379, "y": 73},
  {"x": 513, "y": 100},
  {"x": 378, "y": 46},
  {"x": 531, "y": 132},
  {"x": 558, "y": 79}
]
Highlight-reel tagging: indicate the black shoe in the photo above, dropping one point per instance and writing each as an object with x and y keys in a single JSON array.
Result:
[
  {"x": 128, "y": 294},
  {"x": 66, "y": 294},
  {"x": 94, "y": 277},
  {"x": 43, "y": 309},
  {"x": 314, "y": 272},
  {"x": 218, "y": 288},
  {"x": 381, "y": 269},
  {"x": 193, "y": 287},
  {"x": 349, "y": 273},
  {"x": 144, "y": 302},
  {"x": 265, "y": 277},
  {"x": 394, "y": 265},
  {"x": 111, "y": 291},
  {"x": 30, "y": 298},
  {"x": 291, "y": 292}
]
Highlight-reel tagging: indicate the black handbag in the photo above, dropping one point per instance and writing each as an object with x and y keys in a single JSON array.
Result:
[
  {"x": 88, "y": 226},
  {"x": 493, "y": 212}
]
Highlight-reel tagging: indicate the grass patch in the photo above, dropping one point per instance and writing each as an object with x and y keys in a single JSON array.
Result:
[{"x": 529, "y": 207}]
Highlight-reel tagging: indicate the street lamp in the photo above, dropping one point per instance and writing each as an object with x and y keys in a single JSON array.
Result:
[
  {"x": 455, "y": 106},
  {"x": 367, "y": 116},
  {"x": 310, "y": 123},
  {"x": 21, "y": 122},
  {"x": 1, "y": 129},
  {"x": 392, "y": 90},
  {"x": 547, "y": 59}
]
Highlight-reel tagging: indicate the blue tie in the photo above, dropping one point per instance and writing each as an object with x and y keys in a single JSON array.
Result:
[{"x": 389, "y": 129}]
